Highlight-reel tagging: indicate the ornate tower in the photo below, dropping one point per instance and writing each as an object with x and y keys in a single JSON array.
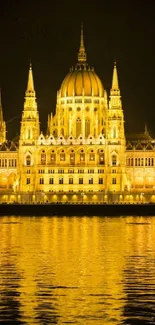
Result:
[
  {"x": 30, "y": 127},
  {"x": 29, "y": 134},
  {"x": 116, "y": 179},
  {"x": 2, "y": 124}
]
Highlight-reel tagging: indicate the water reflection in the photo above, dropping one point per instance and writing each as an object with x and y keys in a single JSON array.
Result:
[{"x": 77, "y": 270}]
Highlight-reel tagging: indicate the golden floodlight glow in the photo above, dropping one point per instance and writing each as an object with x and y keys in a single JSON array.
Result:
[{"x": 84, "y": 155}]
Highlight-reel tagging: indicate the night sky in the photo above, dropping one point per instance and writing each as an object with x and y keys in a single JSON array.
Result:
[{"x": 48, "y": 32}]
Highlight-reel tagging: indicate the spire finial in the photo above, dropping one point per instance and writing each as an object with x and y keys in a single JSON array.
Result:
[
  {"x": 30, "y": 84},
  {"x": 82, "y": 52},
  {"x": 115, "y": 85}
]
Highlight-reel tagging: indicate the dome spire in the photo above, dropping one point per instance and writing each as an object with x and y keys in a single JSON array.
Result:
[{"x": 82, "y": 53}]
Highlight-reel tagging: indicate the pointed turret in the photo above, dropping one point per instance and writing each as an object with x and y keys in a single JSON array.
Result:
[
  {"x": 30, "y": 95},
  {"x": 115, "y": 98},
  {"x": 30, "y": 92},
  {"x": 82, "y": 53},
  {"x": 30, "y": 127},
  {"x": 115, "y": 85}
]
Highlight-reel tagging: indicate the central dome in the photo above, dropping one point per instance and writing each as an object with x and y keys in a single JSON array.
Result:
[{"x": 81, "y": 80}]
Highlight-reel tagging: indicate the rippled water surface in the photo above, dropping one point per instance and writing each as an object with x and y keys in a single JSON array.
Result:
[{"x": 77, "y": 270}]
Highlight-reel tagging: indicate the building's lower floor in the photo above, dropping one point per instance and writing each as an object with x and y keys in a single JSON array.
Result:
[{"x": 77, "y": 197}]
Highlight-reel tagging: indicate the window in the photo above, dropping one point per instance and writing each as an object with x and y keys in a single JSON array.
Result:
[
  {"x": 28, "y": 160},
  {"x": 5, "y": 162},
  {"x": 51, "y": 171},
  {"x": 80, "y": 171},
  {"x": 90, "y": 180},
  {"x": 70, "y": 171},
  {"x": 92, "y": 156},
  {"x": 101, "y": 158},
  {"x": 43, "y": 158},
  {"x": 100, "y": 171},
  {"x": 114, "y": 132},
  {"x": 114, "y": 160},
  {"x": 100, "y": 180},
  {"x": 90, "y": 171},
  {"x": 87, "y": 127},
  {"x": 72, "y": 157},
  {"x": 41, "y": 180},
  {"x": 114, "y": 181},
  {"x": 70, "y": 180},
  {"x": 27, "y": 180},
  {"x": 80, "y": 180},
  {"x": 60, "y": 171},
  {"x": 51, "y": 180},
  {"x": 62, "y": 156},
  {"x": 78, "y": 127},
  {"x": 28, "y": 171},
  {"x": 53, "y": 157},
  {"x": 41, "y": 171},
  {"x": 82, "y": 156},
  {"x": 114, "y": 171},
  {"x": 61, "y": 181}
]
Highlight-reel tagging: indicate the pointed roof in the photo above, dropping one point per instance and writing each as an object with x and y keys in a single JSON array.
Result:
[
  {"x": 146, "y": 130},
  {"x": 30, "y": 84},
  {"x": 115, "y": 85},
  {"x": 1, "y": 111},
  {"x": 82, "y": 53}
]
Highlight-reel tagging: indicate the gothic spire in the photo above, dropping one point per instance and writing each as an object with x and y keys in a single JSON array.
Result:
[
  {"x": 30, "y": 85},
  {"x": 115, "y": 85},
  {"x": 82, "y": 53}
]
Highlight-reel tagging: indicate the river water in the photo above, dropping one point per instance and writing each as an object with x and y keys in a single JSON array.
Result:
[{"x": 77, "y": 270}]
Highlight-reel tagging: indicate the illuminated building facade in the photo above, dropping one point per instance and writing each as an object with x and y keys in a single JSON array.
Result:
[{"x": 85, "y": 156}]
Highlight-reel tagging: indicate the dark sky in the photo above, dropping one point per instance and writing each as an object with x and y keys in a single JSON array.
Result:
[{"x": 48, "y": 32}]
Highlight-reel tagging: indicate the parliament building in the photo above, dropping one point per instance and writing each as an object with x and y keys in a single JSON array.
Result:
[{"x": 85, "y": 155}]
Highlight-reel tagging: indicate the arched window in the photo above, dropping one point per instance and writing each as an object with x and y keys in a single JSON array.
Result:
[
  {"x": 72, "y": 157},
  {"x": 78, "y": 127},
  {"x": 114, "y": 160},
  {"x": 114, "y": 132},
  {"x": 101, "y": 158},
  {"x": 82, "y": 156},
  {"x": 87, "y": 127},
  {"x": 28, "y": 160},
  {"x": 43, "y": 158},
  {"x": 62, "y": 156},
  {"x": 53, "y": 157},
  {"x": 29, "y": 134},
  {"x": 92, "y": 156}
]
